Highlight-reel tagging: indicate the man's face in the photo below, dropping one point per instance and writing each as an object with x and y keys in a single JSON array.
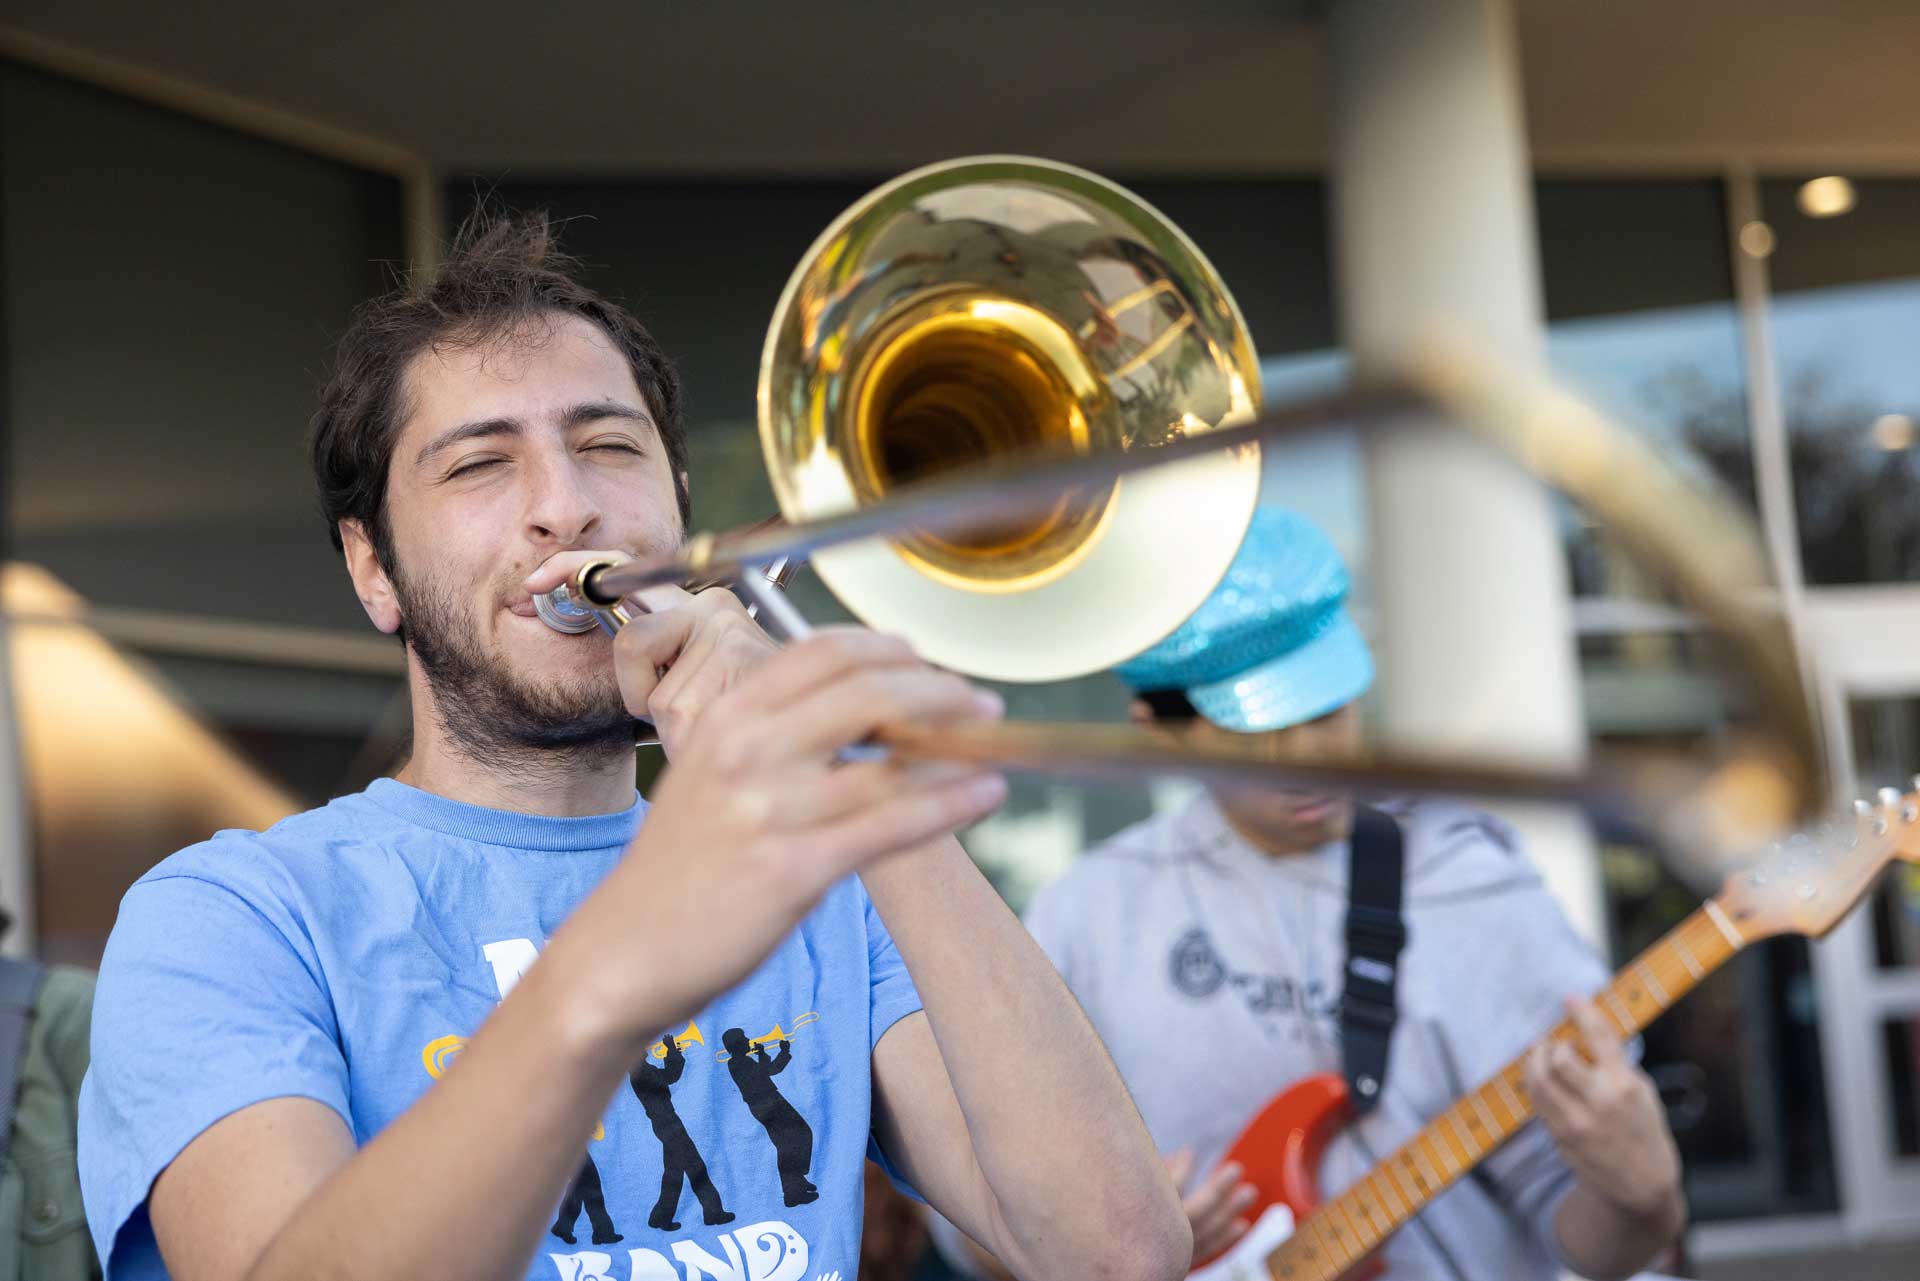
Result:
[
  {"x": 510, "y": 451},
  {"x": 1284, "y": 819}
]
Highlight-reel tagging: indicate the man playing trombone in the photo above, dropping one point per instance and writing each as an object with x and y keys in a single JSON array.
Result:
[{"x": 271, "y": 1004}]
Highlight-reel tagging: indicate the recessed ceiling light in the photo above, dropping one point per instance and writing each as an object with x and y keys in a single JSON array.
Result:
[{"x": 1827, "y": 197}]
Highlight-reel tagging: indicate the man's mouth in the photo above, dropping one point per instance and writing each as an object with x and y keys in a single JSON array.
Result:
[
  {"x": 522, "y": 605},
  {"x": 1313, "y": 811}
]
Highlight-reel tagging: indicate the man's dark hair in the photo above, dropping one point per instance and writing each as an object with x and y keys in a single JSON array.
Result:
[{"x": 502, "y": 271}]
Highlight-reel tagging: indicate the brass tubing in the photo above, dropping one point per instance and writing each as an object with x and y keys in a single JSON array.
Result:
[
  {"x": 1695, "y": 542},
  {"x": 984, "y": 494}
]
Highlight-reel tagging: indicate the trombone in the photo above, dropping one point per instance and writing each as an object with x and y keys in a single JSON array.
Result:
[{"x": 1001, "y": 398}]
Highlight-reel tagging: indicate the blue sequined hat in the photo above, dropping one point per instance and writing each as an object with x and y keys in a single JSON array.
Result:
[{"x": 1273, "y": 645}]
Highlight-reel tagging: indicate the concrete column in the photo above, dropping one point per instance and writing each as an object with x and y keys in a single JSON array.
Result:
[{"x": 1432, "y": 217}]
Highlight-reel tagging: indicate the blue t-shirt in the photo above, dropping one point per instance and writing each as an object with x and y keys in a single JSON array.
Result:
[{"x": 347, "y": 953}]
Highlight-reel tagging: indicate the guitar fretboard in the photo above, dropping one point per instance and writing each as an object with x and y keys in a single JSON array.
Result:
[{"x": 1343, "y": 1231}]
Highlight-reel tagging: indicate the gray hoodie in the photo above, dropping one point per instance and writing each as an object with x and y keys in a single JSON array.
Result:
[{"x": 1213, "y": 973}]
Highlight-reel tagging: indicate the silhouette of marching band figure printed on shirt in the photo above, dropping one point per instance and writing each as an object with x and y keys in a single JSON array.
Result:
[
  {"x": 680, "y": 1160},
  {"x": 585, "y": 1191},
  {"x": 792, "y": 1137},
  {"x": 752, "y": 1071}
]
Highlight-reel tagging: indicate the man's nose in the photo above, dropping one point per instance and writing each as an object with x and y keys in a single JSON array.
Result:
[{"x": 562, "y": 508}]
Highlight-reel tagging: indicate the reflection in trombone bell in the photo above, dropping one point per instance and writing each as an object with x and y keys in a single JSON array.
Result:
[{"x": 658, "y": 1049}]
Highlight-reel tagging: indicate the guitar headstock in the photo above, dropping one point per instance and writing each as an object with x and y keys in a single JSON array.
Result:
[{"x": 1810, "y": 881}]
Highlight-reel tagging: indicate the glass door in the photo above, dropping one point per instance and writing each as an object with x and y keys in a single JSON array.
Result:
[{"x": 1869, "y": 968}]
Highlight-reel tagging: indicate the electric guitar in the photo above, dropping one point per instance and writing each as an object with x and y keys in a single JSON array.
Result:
[{"x": 1806, "y": 886}]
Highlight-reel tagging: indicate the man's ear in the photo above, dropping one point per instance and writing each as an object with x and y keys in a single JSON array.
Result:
[{"x": 370, "y": 582}]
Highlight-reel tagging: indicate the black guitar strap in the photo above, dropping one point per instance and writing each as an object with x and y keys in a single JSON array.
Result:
[{"x": 1375, "y": 935}]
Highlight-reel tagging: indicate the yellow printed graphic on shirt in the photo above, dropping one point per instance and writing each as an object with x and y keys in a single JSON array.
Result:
[
  {"x": 693, "y": 1036},
  {"x": 439, "y": 1054}
]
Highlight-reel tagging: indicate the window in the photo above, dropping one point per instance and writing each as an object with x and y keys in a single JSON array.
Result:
[
  {"x": 171, "y": 290},
  {"x": 1845, "y": 306},
  {"x": 1641, "y": 320}
]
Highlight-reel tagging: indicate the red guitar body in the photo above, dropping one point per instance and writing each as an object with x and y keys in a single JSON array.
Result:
[{"x": 1280, "y": 1152}]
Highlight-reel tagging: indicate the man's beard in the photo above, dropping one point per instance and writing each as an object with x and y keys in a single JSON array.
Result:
[{"x": 484, "y": 709}]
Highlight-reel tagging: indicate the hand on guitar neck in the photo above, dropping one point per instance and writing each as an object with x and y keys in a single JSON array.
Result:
[{"x": 1606, "y": 1119}]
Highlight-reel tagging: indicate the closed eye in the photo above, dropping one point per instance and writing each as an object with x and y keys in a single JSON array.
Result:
[{"x": 470, "y": 468}]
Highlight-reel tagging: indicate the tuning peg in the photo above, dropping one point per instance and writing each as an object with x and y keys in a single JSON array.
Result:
[
  {"x": 1910, "y": 813},
  {"x": 1863, "y": 808},
  {"x": 1889, "y": 796}
]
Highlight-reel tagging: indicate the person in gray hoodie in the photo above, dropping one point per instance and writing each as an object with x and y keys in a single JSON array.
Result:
[{"x": 1208, "y": 947}]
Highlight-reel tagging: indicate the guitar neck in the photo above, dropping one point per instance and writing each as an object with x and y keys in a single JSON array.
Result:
[{"x": 1343, "y": 1231}]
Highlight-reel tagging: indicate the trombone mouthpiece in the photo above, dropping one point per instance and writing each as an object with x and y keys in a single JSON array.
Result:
[
  {"x": 558, "y": 610},
  {"x": 571, "y": 607}
]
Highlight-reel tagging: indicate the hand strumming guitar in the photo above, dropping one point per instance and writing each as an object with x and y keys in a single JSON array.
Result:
[
  {"x": 1214, "y": 1208},
  {"x": 1605, "y": 1116}
]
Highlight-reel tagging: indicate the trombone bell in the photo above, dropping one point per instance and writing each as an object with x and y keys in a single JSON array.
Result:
[{"x": 988, "y": 309}]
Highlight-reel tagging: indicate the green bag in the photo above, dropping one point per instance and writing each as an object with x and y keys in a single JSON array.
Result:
[{"x": 45, "y": 1013}]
